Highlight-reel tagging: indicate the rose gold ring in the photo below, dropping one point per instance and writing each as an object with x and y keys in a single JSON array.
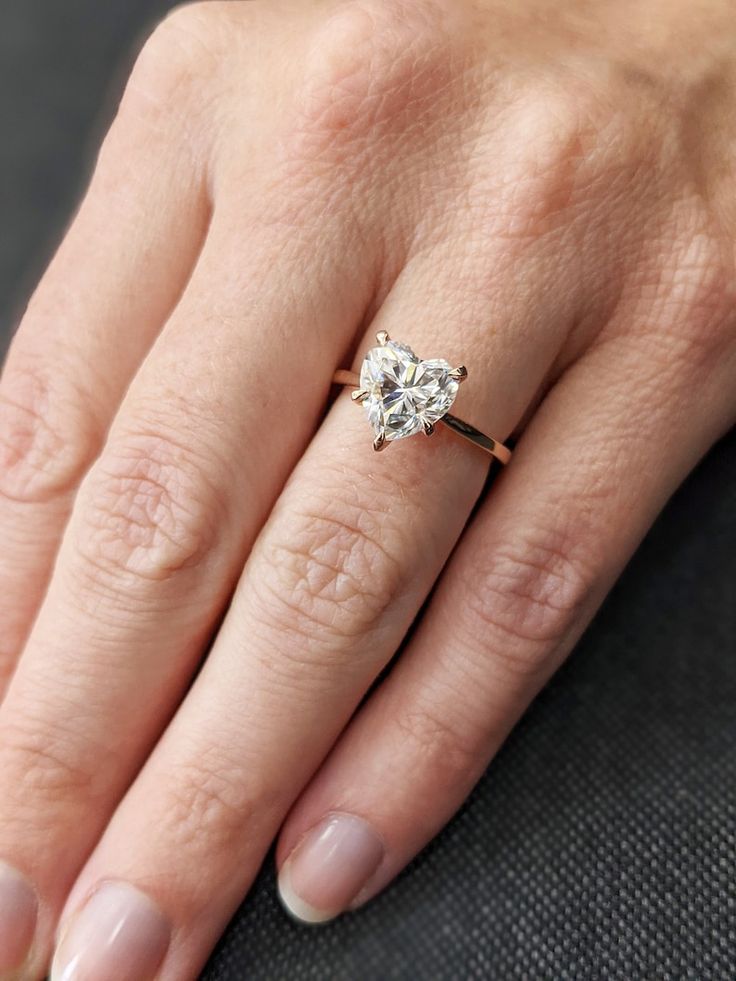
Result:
[{"x": 404, "y": 395}]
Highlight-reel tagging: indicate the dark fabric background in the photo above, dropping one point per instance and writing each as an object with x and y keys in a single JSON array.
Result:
[{"x": 602, "y": 841}]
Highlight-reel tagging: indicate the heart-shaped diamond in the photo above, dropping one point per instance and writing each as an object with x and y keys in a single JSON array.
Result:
[{"x": 403, "y": 394}]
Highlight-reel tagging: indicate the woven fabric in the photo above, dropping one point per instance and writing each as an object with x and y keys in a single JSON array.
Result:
[{"x": 601, "y": 841}]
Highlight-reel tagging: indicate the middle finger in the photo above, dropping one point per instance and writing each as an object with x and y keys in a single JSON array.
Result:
[{"x": 160, "y": 530}]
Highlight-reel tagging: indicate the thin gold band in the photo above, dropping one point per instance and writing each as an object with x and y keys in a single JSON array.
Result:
[{"x": 497, "y": 450}]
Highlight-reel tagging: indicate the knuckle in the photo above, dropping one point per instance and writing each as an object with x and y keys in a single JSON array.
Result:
[
  {"x": 147, "y": 511},
  {"x": 522, "y": 598},
  {"x": 209, "y": 799},
  {"x": 47, "y": 439},
  {"x": 539, "y": 147},
  {"x": 39, "y": 762},
  {"x": 184, "y": 50},
  {"x": 695, "y": 302},
  {"x": 326, "y": 574},
  {"x": 444, "y": 743},
  {"x": 368, "y": 66}
]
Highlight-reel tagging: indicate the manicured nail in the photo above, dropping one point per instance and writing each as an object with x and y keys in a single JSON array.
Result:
[
  {"x": 18, "y": 913},
  {"x": 120, "y": 933},
  {"x": 329, "y": 867}
]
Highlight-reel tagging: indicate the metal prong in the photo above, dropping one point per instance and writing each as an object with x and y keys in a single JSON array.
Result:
[
  {"x": 379, "y": 442},
  {"x": 459, "y": 374},
  {"x": 358, "y": 395},
  {"x": 382, "y": 338},
  {"x": 428, "y": 428}
]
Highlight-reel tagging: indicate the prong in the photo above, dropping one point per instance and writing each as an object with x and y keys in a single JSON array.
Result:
[
  {"x": 459, "y": 374},
  {"x": 382, "y": 338},
  {"x": 428, "y": 428},
  {"x": 358, "y": 395},
  {"x": 379, "y": 442}
]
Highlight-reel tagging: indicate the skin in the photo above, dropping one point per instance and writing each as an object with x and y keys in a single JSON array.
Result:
[{"x": 545, "y": 192}]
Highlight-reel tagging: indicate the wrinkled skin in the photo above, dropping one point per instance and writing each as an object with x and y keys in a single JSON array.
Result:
[{"x": 545, "y": 192}]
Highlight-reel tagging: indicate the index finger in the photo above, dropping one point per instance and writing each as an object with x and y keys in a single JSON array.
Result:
[{"x": 114, "y": 280}]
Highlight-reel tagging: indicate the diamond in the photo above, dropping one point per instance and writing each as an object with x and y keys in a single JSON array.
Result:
[{"x": 403, "y": 394}]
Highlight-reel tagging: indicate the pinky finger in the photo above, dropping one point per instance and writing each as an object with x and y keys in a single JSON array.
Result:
[{"x": 531, "y": 570}]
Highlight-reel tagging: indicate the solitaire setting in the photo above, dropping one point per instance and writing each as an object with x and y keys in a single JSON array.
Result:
[{"x": 404, "y": 395}]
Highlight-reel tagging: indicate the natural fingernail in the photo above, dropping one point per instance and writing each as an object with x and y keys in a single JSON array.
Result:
[
  {"x": 18, "y": 914},
  {"x": 329, "y": 867},
  {"x": 120, "y": 933}
]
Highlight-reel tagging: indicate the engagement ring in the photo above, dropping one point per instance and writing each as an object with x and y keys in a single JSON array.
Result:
[{"x": 404, "y": 395}]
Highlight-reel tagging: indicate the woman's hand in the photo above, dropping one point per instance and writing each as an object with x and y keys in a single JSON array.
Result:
[{"x": 544, "y": 192}]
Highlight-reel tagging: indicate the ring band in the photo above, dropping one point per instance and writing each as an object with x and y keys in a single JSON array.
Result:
[{"x": 404, "y": 395}]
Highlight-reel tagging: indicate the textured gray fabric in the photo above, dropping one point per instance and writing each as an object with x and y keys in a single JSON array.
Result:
[{"x": 601, "y": 842}]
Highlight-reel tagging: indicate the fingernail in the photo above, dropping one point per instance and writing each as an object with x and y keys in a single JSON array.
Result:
[
  {"x": 18, "y": 914},
  {"x": 329, "y": 867},
  {"x": 120, "y": 933}
]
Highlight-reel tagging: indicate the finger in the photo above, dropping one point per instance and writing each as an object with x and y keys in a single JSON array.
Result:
[
  {"x": 159, "y": 533},
  {"x": 598, "y": 461},
  {"x": 164, "y": 518},
  {"x": 108, "y": 291},
  {"x": 337, "y": 576},
  {"x": 299, "y": 646}
]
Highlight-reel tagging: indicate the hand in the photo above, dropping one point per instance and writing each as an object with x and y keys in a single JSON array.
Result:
[{"x": 542, "y": 192}]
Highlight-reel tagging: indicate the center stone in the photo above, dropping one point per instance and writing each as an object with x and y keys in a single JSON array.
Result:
[{"x": 405, "y": 393}]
